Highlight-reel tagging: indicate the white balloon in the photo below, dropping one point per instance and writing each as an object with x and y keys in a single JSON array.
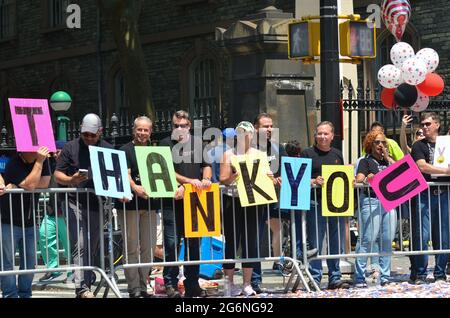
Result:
[
  {"x": 430, "y": 57},
  {"x": 421, "y": 103},
  {"x": 400, "y": 52},
  {"x": 389, "y": 76},
  {"x": 414, "y": 71}
]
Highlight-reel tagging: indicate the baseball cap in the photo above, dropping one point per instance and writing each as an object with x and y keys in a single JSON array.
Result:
[
  {"x": 246, "y": 126},
  {"x": 228, "y": 133},
  {"x": 91, "y": 123}
]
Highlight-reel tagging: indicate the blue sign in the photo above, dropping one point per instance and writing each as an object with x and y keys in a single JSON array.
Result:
[
  {"x": 295, "y": 191},
  {"x": 3, "y": 162},
  {"x": 110, "y": 172}
]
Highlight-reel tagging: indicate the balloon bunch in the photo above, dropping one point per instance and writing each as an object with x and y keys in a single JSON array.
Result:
[
  {"x": 396, "y": 14},
  {"x": 410, "y": 80}
]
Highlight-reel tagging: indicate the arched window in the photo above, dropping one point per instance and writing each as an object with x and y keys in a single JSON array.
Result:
[{"x": 203, "y": 95}]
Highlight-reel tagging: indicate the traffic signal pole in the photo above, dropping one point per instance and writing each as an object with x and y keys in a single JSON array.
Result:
[{"x": 329, "y": 68}]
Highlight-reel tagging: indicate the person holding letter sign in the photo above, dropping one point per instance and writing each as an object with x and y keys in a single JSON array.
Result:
[
  {"x": 240, "y": 228},
  {"x": 374, "y": 220},
  {"x": 432, "y": 205},
  {"x": 74, "y": 157},
  {"x": 137, "y": 221},
  {"x": 197, "y": 173},
  {"x": 29, "y": 171},
  {"x": 322, "y": 153}
]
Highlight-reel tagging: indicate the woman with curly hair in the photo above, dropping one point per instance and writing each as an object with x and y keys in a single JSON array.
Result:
[{"x": 374, "y": 220}]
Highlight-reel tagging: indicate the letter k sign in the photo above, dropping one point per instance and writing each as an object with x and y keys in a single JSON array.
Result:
[{"x": 255, "y": 187}]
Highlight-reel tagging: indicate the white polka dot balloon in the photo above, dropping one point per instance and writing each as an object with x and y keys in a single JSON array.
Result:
[
  {"x": 430, "y": 57},
  {"x": 421, "y": 103},
  {"x": 400, "y": 52},
  {"x": 389, "y": 76},
  {"x": 414, "y": 71}
]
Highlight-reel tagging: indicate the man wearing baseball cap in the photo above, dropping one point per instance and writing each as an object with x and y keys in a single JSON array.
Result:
[{"x": 75, "y": 156}]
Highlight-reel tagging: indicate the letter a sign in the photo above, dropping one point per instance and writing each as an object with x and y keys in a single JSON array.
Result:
[
  {"x": 254, "y": 185},
  {"x": 398, "y": 183},
  {"x": 201, "y": 211}
]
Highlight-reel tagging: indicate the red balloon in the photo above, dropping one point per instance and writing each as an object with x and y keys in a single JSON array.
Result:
[
  {"x": 387, "y": 97},
  {"x": 433, "y": 85}
]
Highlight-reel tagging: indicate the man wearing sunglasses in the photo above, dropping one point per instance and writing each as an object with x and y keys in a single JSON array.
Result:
[
  {"x": 190, "y": 168},
  {"x": 83, "y": 209},
  {"x": 432, "y": 205}
]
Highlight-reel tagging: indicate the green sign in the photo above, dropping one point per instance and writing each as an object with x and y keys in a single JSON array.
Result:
[{"x": 156, "y": 170}]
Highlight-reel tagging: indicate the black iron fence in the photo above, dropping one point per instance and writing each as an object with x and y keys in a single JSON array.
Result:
[{"x": 362, "y": 106}]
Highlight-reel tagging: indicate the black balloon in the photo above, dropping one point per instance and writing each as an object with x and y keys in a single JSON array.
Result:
[{"x": 405, "y": 95}]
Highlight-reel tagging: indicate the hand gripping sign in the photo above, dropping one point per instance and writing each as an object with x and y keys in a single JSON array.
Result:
[
  {"x": 32, "y": 125},
  {"x": 201, "y": 211},
  {"x": 337, "y": 191},
  {"x": 156, "y": 171},
  {"x": 398, "y": 183},
  {"x": 254, "y": 186},
  {"x": 295, "y": 191},
  {"x": 110, "y": 172}
]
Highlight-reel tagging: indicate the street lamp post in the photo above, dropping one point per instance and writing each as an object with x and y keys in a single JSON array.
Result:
[
  {"x": 60, "y": 101},
  {"x": 329, "y": 68}
]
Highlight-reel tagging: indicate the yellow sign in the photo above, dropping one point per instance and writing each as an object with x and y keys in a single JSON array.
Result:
[
  {"x": 303, "y": 40},
  {"x": 201, "y": 211},
  {"x": 254, "y": 186},
  {"x": 337, "y": 191},
  {"x": 357, "y": 39}
]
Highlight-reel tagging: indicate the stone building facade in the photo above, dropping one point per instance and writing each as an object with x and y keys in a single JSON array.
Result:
[{"x": 185, "y": 64}]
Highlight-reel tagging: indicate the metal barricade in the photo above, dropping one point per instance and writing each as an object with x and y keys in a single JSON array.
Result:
[
  {"x": 32, "y": 224},
  {"x": 420, "y": 226}
]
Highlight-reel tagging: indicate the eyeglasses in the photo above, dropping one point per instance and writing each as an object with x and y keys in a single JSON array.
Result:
[
  {"x": 419, "y": 133},
  {"x": 180, "y": 126},
  {"x": 427, "y": 124},
  {"x": 377, "y": 142}
]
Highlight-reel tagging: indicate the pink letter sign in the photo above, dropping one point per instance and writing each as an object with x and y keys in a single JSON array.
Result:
[
  {"x": 32, "y": 125},
  {"x": 398, "y": 183}
]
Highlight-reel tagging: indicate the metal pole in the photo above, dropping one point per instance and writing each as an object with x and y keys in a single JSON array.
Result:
[
  {"x": 329, "y": 68},
  {"x": 99, "y": 64}
]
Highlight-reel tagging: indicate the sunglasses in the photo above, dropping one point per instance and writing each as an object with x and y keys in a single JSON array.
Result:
[
  {"x": 180, "y": 126},
  {"x": 419, "y": 133},
  {"x": 377, "y": 142},
  {"x": 427, "y": 124}
]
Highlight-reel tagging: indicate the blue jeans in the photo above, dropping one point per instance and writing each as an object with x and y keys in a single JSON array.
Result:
[
  {"x": 435, "y": 207},
  {"x": 9, "y": 287},
  {"x": 316, "y": 230},
  {"x": 173, "y": 223},
  {"x": 374, "y": 222}
]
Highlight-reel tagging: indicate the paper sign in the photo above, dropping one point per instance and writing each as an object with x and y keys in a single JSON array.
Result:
[
  {"x": 254, "y": 185},
  {"x": 295, "y": 193},
  {"x": 110, "y": 172},
  {"x": 156, "y": 171},
  {"x": 32, "y": 124},
  {"x": 398, "y": 183},
  {"x": 337, "y": 191},
  {"x": 441, "y": 154},
  {"x": 201, "y": 211}
]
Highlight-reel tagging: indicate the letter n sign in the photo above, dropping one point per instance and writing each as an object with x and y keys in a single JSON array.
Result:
[
  {"x": 32, "y": 125},
  {"x": 201, "y": 211},
  {"x": 110, "y": 172},
  {"x": 398, "y": 183}
]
